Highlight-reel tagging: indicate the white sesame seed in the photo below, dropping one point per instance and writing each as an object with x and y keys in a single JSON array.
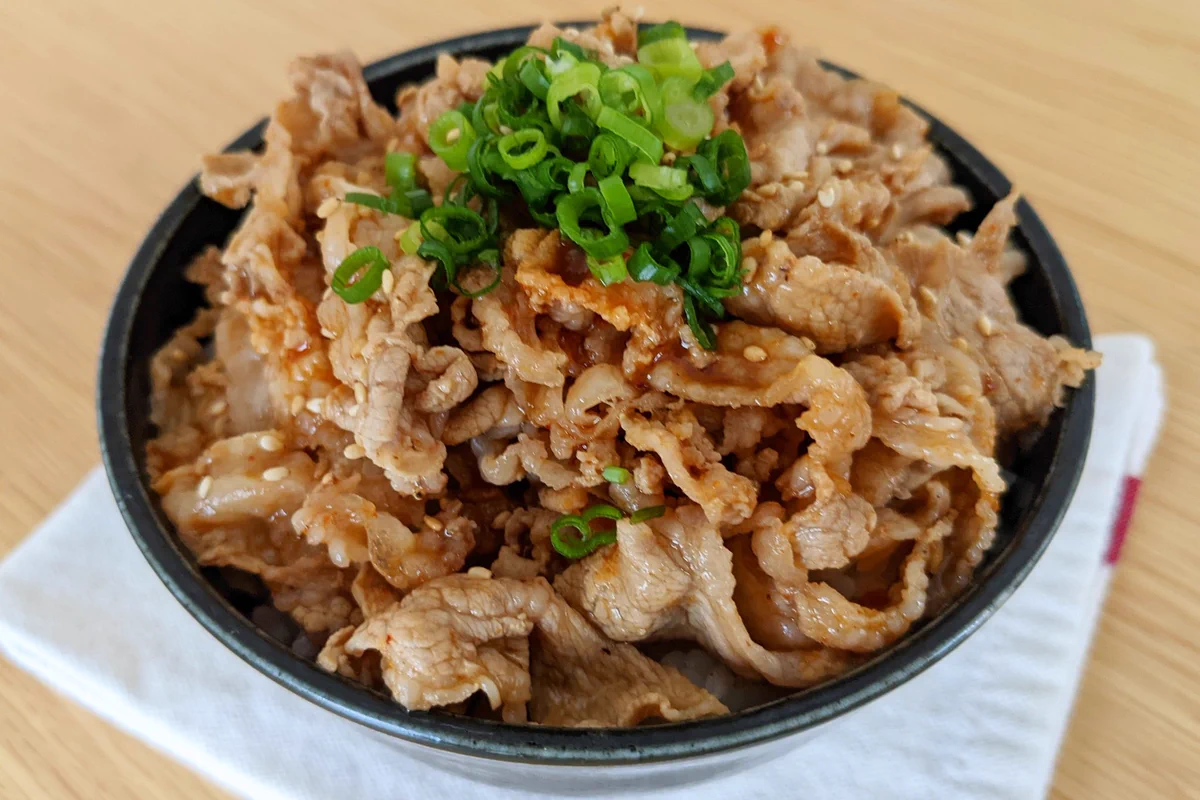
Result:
[
  {"x": 758, "y": 83},
  {"x": 328, "y": 334},
  {"x": 504, "y": 129},
  {"x": 227, "y": 297},
  {"x": 434, "y": 524},
  {"x": 754, "y": 353},
  {"x": 327, "y": 479},
  {"x": 360, "y": 393},
  {"x": 205, "y": 486},
  {"x": 929, "y": 296},
  {"x": 844, "y": 165},
  {"x": 826, "y": 197},
  {"x": 668, "y": 158},
  {"x": 807, "y": 342},
  {"x": 453, "y": 135},
  {"x": 354, "y": 451},
  {"x": 315, "y": 404},
  {"x": 750, "y": 264},
  {"x": 327, "y": 207},
  {"x": 479, "y": 572},
  {"x": 770, "y": 190},
  {"x": 297, "y": 405},
  {"x": 353, "y": 410},
  {"x": 984, "y": 323},
  {"x": 961, "y": 343},
  {"x": 822, "y": 148},
  {"x": 500, "y": 519},
  {"x": 218, "y": 407},
  {"x": 261, "y": 307},
  {"x": 179, "y": 355},
  {"x": 963, "y": 238},
  {"x": 328, "y": 293},
  {"x": 767, "y": 236},
  {"x": 388, "y": 281},
  {"x": 897, "y": 150},
  {"x": 270, "y": 443},
  {"x": 275, "y": 473}
]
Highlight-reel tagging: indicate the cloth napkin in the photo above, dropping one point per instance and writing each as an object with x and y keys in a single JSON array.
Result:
[{"x": 81, "y": 610}]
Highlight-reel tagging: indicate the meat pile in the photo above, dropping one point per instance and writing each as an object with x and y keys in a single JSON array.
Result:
[{"x": 391, "y": 469}]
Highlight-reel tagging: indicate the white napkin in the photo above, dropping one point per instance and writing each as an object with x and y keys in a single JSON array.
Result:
[{"x": 81, "y": 610}]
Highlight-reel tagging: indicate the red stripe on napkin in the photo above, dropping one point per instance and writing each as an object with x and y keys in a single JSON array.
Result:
[{"x": 1129, "y": 493}]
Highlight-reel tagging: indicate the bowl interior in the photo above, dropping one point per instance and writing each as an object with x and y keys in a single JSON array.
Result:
[{"x": 154, "y": 300}]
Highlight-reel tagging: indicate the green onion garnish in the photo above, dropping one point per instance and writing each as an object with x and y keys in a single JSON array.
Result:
[
  {"x": 685, "y": 121},
  {"x": 670, "y": 57},
  {"x": 656, "y": 33},
  {"x": 647, "y": 513},
  {"x": 450, "y": 136},
  {"x": 582, "y": 146},
  {"x": 615, "y": 474},
  {"x": 411, "y": 239},
  {"x": 596, "y": 243},
  {"x": 712, "y": 80},
  {"x": 585, "y": 540},
  {"x": 609, "y": 271},
  {"x": 580, "y": 80},
  {"x": 647, "y": 146},
  {"x": 370, "y": 258},
  {"x": 618, "y": 205},
  {"x": 522, "y": 149}
]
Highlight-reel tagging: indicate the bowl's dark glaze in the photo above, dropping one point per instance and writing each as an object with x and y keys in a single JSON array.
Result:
[{"x": 154, "y": 300}]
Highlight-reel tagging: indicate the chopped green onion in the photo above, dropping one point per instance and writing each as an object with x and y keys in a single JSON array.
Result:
[
  {"x": 533, "y": 76},
  {"x": 618, "y": 205},
  {"x": 656, "y": 33},
  {"x": 577, "y": 124},
  {"x": 685, "y": 121},
  {"x": 557, "y": 65},
  {"x": 647, "y": 513},
  {"x": 710, "y": 182},
  {"x": 608, "y": 155},
  {"x": 703, "y": 295},
  {"x": 571, "y": 207},
  {"x": 727, "y": 153},
  {"x": 699, "y": 256},
  {"x": 400, "y": 170},
  {"x": 647, "y": 146},
  {"x": 702, "y": 330},
  {"x": 615, "y": 474},
  {"x": 712, "y": 80},
  {"x": 522, "y": 149},
  {"x": 669, "y": 58},
  {"x": 682, "y": 227},
  {"x": 384, "y": 204},
  {"x": 370, "y": 258},
  {"x": 517, "y": 59},
  {"x": 669, "y": 182},
  {"x": 561, "y": 45},
  {"x": 460, "y": 229},
  {"x": 610, "y": 270},
  {"x": 644, "y": 267},
  {"x": 450, "y": 136},
  {"x": 602, "y": 510},
  {"x": 581, "y": 79},
  {"x": 584, "y": 541},
  {"x": 575, "y": 181},
  {"x": 631, "y": 90},
  {"x": 411, "y": 239}
]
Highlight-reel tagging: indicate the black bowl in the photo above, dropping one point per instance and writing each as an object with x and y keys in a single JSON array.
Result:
[{"x": 154, "y": 299}]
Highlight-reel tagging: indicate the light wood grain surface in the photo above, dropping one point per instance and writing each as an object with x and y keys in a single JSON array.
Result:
[{"x": 1092, "y": 107}]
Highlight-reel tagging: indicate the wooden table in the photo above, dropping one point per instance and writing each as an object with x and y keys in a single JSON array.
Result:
[{"x": 1091, "y": 107}]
